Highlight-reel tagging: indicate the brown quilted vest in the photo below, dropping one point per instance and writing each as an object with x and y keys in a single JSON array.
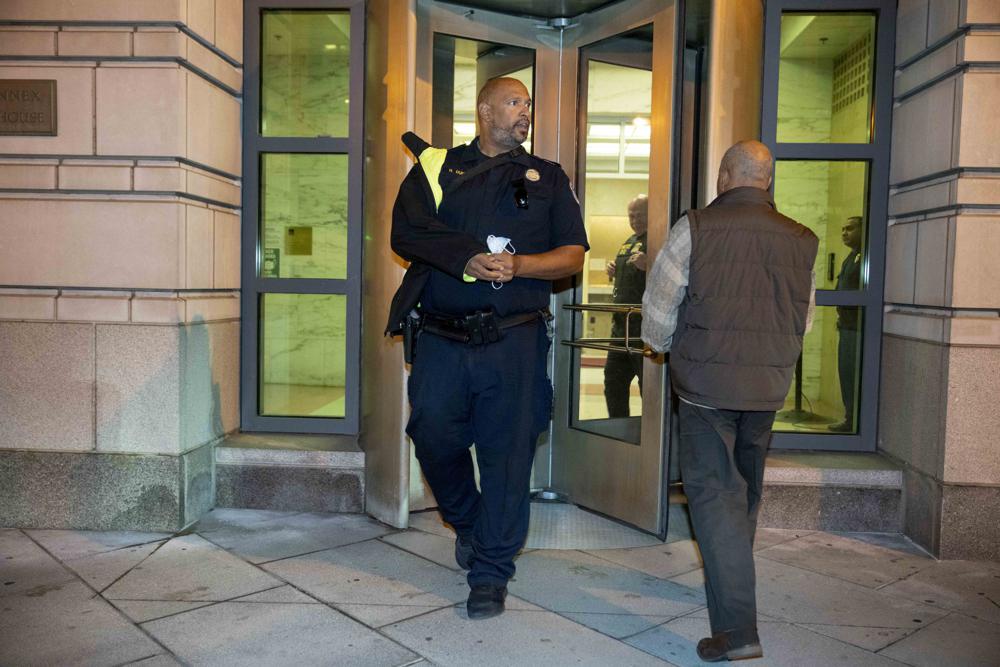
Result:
[{"x": 741, "y": 324}]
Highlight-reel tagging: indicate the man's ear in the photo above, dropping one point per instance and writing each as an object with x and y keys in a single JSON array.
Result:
[
  {"x": 722, "y": 183},
  {"x": 485, "y": 112}
]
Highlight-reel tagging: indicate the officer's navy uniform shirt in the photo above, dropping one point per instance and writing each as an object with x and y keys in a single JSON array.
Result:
[{"x": 485, "y": 205}]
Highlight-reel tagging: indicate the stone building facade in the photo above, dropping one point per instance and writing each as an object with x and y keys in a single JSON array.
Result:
[{"x": 120, "y": 262}]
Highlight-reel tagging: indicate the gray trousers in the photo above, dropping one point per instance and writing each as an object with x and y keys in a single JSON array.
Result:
[{"x": 722, "y": 456}]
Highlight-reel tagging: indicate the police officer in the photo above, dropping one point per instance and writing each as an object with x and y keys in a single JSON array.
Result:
[
  {"x": 478, "y": 373},
  {"x": 628, "y": 272}
]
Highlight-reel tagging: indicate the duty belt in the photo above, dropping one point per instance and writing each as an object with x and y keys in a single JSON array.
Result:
[{"x": 479, "y": 328}]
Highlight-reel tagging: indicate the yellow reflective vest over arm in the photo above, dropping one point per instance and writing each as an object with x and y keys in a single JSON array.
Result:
[{"x": 431, "y": 162}]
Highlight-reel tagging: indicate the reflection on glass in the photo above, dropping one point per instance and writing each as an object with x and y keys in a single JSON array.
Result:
[
  {"x": 824, "y": 395},
  {"x": 303, "y": 215},
  {"x": 825, "y": 77},
  {"x": 303, "y": 356},
  {"x": 593, "y": 369},
  {"x": 616, "y": 210},
  {"x": 305, "y": 73},
  {"x": 830, "y": 198},
  {"x": 461, "y": 68}
]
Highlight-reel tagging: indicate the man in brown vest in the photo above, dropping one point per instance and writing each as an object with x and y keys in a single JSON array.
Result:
[{"x": 730, "y": 295}]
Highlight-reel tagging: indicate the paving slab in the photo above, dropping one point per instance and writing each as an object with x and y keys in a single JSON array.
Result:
[
  {"x": 800, "y": 596},
  {"x": 972, "y": 588},
  {"x": 768, "y": 537},
  {"x": 141, "y": 611},
  {"x": 71, "y": 544},
  {"x": 224, "y": 517},
  {"x": 393, "y": 584},
  {"x": 189, "y": 568},
  {"x": 846, "y": 558},
  {"x": 663, "y": 560},
  {"x": 68, "y": 625},
  {"x": 888, "y": 540},
  {"x": 281, "y": 594},
  {"x": 954, "y": 640},
  {"x": 694, "y": 579},
  {"x": 870, "y": 639},
  {"x": 102, "y": 569},
  {"x": 573, "y": 582},
  {"x": 244, "y": 633},
  {"x": 448, "y": 637},
  {"x": 162, "y": 660},
  {"x": 26, "y": 569},
  {"x": 436, "y": 548},
  {"x": 785, "y": 645},
  {"x": 260, "y": 541}
]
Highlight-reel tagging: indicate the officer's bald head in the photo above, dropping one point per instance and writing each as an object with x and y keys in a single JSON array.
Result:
[
  {"x": 746, "y": 164},
  {"x": 503, "y": 108}
]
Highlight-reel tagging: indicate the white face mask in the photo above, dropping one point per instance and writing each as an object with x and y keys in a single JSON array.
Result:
[{"x": 497, "y": 245}]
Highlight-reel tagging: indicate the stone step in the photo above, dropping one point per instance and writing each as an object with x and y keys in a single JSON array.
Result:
[
  {"x": 835, "y": 491},
  {"x": 290, "y": 472}
]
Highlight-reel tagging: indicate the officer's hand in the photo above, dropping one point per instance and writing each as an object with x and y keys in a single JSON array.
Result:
[
  {"x": 508, "y": 264},
  {"x": 638, "y": 260},
  {"x": 484, "y": 266},
  {"x": 610, "y": 270}
]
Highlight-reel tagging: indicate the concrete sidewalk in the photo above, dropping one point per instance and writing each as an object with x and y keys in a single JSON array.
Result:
[{"x": 268, "y": 588}]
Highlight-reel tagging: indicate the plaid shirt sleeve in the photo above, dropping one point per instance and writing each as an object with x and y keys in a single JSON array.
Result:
[{"x": 666, "y": 286}]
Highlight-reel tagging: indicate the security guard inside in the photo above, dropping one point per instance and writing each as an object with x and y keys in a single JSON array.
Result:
[{"x": 486, "y": 228}]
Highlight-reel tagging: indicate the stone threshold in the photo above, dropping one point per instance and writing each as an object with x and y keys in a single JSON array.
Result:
[
  {"x": 859, "y": 469},
  {"x": 290, "y": 449}
]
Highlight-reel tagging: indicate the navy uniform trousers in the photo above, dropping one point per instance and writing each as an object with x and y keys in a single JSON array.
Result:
[
  {"x": 499, "y": 397},
  {"x": 722, "y": 455}
]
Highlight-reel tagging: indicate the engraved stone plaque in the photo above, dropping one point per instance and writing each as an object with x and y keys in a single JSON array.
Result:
[{"x": 28, "y": 107}]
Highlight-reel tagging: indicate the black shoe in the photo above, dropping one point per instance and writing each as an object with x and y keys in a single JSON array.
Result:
[
  {"x": 463, "y": 552},
  {"x": 486, "y": 601},
  {"x": 718, "y": 648},
  {"x": 843, "y": 427}
]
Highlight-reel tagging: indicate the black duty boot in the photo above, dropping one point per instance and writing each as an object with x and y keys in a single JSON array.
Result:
[
  {"x": 721, "y": 646},
  {"x": 486, "y": 601},
  {"x": 463, "y": 552}
]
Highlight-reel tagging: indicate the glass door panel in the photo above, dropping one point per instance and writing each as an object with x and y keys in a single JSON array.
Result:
[
  {"x": 831, "y": 199},
  {"x": 303, "y": 204},
  {"x": 305, "y": 73},
  {"x": 824, "y": 395},
  {"x": 303, "y": 356},
  {"x": 825, "y": 77},
  {"x": 616, "y": 84}
]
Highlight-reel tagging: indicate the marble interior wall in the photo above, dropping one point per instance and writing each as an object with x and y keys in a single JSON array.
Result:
[
  {"x": 305, "y": 190},
  {"x": 304, "y": 339}
]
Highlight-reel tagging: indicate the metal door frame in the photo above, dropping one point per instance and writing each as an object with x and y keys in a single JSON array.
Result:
[
  {"x": 876, "y": 154},
  {"x": 254, "y": 145}
]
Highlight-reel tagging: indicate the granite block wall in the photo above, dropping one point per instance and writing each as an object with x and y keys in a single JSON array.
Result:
[
  {"x": 119, "y": 315},
  {"x": 941, "y": 348}
]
